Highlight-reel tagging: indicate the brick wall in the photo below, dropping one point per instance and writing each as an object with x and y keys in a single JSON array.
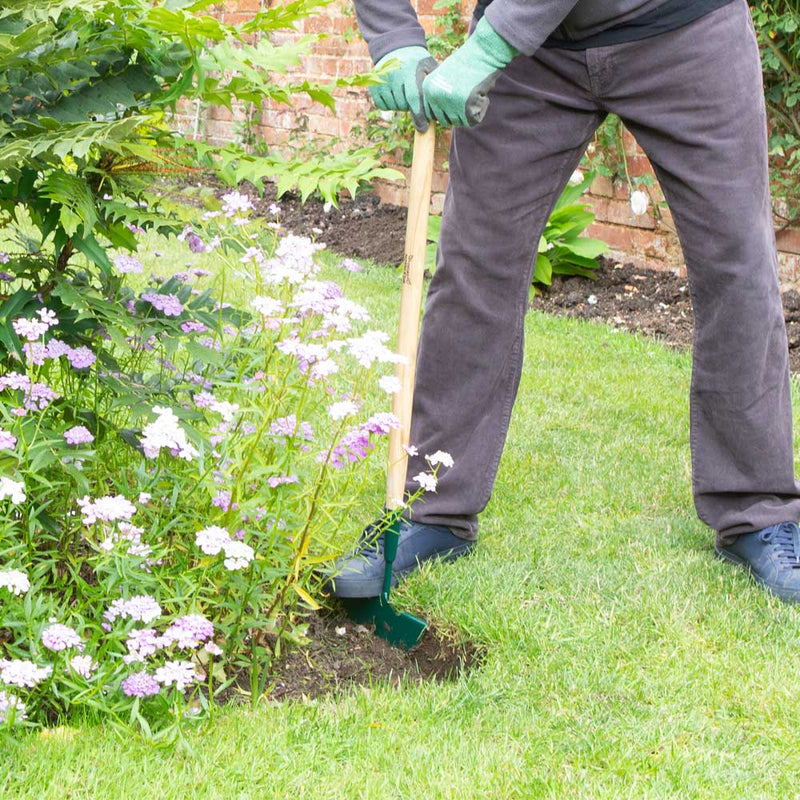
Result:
[{"x": 642, "y": 239}]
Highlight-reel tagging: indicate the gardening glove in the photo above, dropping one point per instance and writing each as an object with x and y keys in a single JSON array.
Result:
[
  {"x": 456, "y": 92},
  {"x": 402, "y": 87}
]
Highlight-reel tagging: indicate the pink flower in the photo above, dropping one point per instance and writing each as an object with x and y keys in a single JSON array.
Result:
[
  {"x": 78, "y": 435},
  {"x": 140, "y": 607},
  {"x": 140, "y": 684},
  {"x": 106, "y": 508},
  {"x": 83, "y": 666},
  {"x": 179, "y": 673},
  {"x": 81, "y": 358},
  {"x": 127, "y": 264},
  {"x": 276, "y": 481},
  {"x": 189, "y": 631},
  {"x": 7, "y": 441},
  {"x": 168, "y": 304},
  {"x": 142, "y": 643},
  {"x": 59, "y": 637},
  {"x": 234, "y": 203}
]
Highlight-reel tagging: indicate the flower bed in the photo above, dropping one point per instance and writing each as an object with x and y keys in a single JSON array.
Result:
[{"x": 173, "y": 475}]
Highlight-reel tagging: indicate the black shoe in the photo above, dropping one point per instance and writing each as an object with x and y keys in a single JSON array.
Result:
[
  {"x": 360, "y": 574},
  {"x": 772, "y": 556}
]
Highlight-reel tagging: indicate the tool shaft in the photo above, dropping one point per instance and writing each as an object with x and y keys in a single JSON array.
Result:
[{"x": 419, "y": 200}]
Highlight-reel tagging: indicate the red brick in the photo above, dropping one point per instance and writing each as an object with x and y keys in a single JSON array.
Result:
[
  {"x": 602, "y": 187},
  {"x": 619, "y": 212},
  {"x": 788, "y": 240}
]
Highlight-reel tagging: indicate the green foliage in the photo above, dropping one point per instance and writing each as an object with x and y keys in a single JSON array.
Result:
[
  {"x": 562, "y": 248},
  {"x": 85, "y": 96},
  {"x": 197, "y": 418},
  {"x": 778, "y": 28}
]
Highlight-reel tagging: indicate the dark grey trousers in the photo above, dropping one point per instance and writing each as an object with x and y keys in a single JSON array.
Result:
[{"x": 693, "y": 98}]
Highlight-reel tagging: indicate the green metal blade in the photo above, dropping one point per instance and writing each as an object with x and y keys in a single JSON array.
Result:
[{"x": 398, "y": 628}]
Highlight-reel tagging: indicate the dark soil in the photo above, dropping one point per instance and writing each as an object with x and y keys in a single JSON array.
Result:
[
  {"x": 342, "y": 653},
  {"x": 648, "y": 301},
  {"x": 360, "y": 228}
]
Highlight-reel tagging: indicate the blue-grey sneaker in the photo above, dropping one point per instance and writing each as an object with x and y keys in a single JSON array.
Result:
[
  {"x": 772, "y": 556},
  {"x": 360, "y": 573}
]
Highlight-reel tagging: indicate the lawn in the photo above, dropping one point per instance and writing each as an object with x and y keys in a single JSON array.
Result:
[{"x": 623, "y": 661}]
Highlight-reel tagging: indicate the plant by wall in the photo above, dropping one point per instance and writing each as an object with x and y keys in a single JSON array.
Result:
[{"x": 778, "y": 27}]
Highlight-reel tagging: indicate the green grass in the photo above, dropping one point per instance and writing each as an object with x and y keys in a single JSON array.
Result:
[{"x": 623, "y": 660}]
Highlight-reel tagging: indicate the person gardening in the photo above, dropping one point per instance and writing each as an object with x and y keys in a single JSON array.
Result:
[{"x": 525, "y": 93}]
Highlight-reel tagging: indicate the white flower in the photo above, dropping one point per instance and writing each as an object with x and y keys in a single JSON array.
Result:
[
  {"x": 13, "y": 489},
  {"x": 181, "y": 673},
  {"x": 370, "y": 347},
  {"x": 411, "y": 449},
  {"x": 106, "y": 508},
  {"x": 576, "y": 178},
  {"x": 164, "y": 432},
  {"x": 639, "y": 202},
  {"x": 390, "y": 384},
  {"x": 83, "y": 666},
  {"x": 225, "y": 409},
  {"x": 212, "y": 539},
  {"x": 15, "y": 581},
  {"x": 23, "y": 673},
  {"x": 426, "y": 481},
  {"x": 268, "y": 306},
  {"x": 343, "y": 409},
  {"x": 238, "y": 554},
  {"x": 440, "y": 457}
]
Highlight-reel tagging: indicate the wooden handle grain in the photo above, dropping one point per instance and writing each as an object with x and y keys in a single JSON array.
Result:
[{"x": 419, "y": 201}]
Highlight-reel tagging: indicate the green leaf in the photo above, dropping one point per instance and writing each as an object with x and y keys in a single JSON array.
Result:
[{"x": 94, "y": 251}]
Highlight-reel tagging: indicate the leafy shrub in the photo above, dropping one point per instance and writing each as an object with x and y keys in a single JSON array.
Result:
[
  {"x": 85, "y": 93},
  {"x": 563, "y": 250}
]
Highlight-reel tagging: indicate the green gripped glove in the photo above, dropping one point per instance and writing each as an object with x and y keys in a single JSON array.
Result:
[
  {"x": 401, "y": 89},
  {"x": 456, "y": 92}
]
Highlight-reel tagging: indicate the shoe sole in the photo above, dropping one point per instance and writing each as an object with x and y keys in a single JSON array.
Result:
[
  {"x": 786, "y": 595},
  {"x": 351, "y": 589}
]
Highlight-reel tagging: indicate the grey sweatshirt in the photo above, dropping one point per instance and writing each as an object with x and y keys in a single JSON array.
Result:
[{"x": 389, "y": 24}]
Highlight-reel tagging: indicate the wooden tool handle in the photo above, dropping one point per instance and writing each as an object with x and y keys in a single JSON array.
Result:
[{"x": 419, "y": 201}]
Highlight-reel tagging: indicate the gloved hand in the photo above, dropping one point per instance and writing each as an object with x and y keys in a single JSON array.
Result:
[
  {"x": 456, "y": 92},
  {"x": 402, "y": 87}
]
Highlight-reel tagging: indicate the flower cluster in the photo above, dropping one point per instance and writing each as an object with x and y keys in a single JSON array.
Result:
[
  {"x": 215, "y": 540},
  {"x": 166, "y": 433},
  {"x": 15, "y": 581}
]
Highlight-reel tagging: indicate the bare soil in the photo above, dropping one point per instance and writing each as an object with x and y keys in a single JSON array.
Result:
[{"x": 342, "y": 654}]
